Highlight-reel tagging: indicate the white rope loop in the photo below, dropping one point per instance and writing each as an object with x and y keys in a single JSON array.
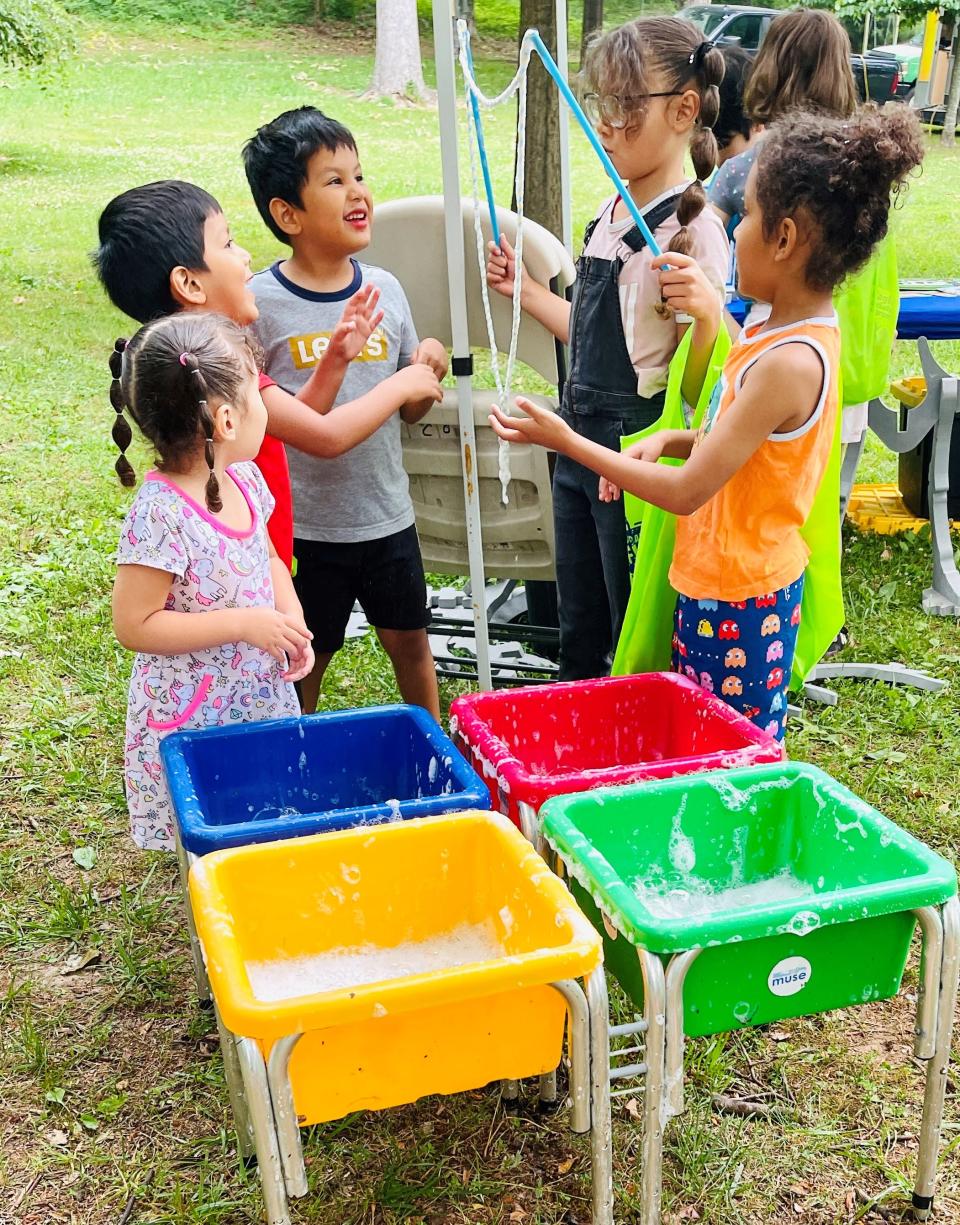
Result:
[{"x": 518, "y": 86}]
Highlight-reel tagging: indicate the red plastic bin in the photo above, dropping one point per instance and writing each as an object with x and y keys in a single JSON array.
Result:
[{"x": 534, "y": 743}]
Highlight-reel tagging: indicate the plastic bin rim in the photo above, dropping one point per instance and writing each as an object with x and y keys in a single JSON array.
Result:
[
  {"x": 579, "y": 954},
  {"x": 199, "y": 837},
  {"x": 466, "y": 711},
  {"x": 934, "y": 883}
]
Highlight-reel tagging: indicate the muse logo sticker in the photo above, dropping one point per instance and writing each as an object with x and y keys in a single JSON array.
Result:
[{"x": 789, "y": 976}]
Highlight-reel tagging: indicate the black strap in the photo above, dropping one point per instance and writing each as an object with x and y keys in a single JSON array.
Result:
[{"x": 656, "y": 217}]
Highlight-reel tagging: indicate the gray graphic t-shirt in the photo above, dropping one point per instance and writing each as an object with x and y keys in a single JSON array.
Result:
[{"x": 364, "y": 494}]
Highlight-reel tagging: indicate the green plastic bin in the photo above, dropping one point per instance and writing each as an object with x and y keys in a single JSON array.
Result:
[{"x": 798, "y": 894}]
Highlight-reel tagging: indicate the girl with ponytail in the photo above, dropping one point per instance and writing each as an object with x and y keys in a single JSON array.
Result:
[
  {"x": 200, "y": 595},
  {"x": 650, "y": 89}
]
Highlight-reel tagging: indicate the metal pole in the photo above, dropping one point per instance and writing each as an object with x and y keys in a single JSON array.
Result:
[
  {"x": 444, "y": 26},
  {"x": 563, "y": 60}
]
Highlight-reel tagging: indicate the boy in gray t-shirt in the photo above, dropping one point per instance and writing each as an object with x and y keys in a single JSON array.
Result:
[{"x": 354, "y": 533}]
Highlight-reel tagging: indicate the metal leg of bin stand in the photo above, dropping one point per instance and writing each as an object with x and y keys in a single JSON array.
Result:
[
  {"x": 579, "y": 1043},
  {"x": 600, "y": 1123},
  {"x": 257, "y": 1090},
  {"x": 928, "y": 997},
  {"x": 654, "y": 1008},
  {"x": 285, "y": 1115},
  {"x": 196, "y": 954},
  {"x": 234, "y": 1078},
  {"x": 936, "y": 1084},
  {"x": 673, "y": 1058}
]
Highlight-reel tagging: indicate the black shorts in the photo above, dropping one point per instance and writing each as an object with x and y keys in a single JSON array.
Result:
[{"x": 385, "y": 575}]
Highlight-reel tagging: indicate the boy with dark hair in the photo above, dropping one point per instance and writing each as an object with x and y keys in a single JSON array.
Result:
[
  {"x": 354, "y": 529},
  {"x": 166, "y": 247}
]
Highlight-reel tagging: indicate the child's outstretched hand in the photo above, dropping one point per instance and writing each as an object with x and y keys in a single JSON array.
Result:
[
  {"x": 431, "y": 353},
  {"x": 360, "y": 319},
  {"x": 501, "y": 267},
  {"x": 540, "y": 426},
  {"x": 684, "y": 286}
]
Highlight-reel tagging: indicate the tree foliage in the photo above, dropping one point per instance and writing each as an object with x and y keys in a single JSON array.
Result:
[
  {"x": 909, "y": 11},
  {"x": 32, "y": 33}
]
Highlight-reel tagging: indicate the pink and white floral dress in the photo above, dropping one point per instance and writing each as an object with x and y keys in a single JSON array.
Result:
[{"x": 212, "y": 567}]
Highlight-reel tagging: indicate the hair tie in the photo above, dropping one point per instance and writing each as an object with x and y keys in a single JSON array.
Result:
[
  {"x": 184, "y": 358},
  {"x": 697, "y": 56}
]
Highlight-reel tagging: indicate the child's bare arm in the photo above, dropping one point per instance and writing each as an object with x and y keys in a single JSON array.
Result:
[
  {"x": 287, "y": 602},
  {"x": 779, "y": 395},
  {"x": 142, "y": 623},
  {"x": 537, "y": 300},
  {"x": 338, "y": 431},
  {"x": 360, "y": 319},
  {"x": 687, "y": 291}
]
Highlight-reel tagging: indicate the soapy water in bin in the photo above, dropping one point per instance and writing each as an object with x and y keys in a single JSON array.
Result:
[
  {"x": 695, "y": 898},
  {"x": 681, "y": 895},
  {"x": 346, "y": 968}
]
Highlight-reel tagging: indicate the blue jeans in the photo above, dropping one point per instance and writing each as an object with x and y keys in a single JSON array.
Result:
[{"x": 593, "y": 573}]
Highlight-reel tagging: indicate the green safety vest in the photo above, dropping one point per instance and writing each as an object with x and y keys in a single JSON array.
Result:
[{"x": 867, "y": 306}]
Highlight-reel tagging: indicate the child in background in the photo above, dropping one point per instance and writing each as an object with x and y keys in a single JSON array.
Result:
[
  {"x": 653, "y": 96},
  {"x": 752, "y": 471},
  {"x": 200, "y": 592},
  {"x": 734, "y": 130},
  {"x": 803, "y": 64},
  {"x": 355, "y": 537},
  {"x": 166, "y": 247}
]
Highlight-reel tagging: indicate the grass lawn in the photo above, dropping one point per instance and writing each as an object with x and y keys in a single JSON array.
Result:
[{"x": 112, "y": 1104}]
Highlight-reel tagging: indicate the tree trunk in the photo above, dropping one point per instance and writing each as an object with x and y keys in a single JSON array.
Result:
[
  {"x": 466, "y": 10},
  {"x": 949, "y": 134},
  {"x": 592, "y": 24},
  {"x": 397, "y": 69},
  {"x": 542, "y": 198}
]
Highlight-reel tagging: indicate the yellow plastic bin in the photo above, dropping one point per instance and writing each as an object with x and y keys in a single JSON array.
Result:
[{"x": 366, "y": 968}]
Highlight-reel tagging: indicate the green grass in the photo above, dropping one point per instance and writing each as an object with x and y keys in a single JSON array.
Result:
[{"x": 109, "y": 1081}]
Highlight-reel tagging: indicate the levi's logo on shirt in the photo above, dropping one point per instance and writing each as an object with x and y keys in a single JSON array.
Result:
[{"x": 307, "y": 350}]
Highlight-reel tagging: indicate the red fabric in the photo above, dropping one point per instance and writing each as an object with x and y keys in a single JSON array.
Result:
[{"x": 272, "y": 462}]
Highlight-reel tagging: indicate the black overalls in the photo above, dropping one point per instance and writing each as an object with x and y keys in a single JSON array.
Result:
[{"x": 600, "y": 402}]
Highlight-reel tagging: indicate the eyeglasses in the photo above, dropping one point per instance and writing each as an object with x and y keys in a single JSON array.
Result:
[{"x": 615, "y": 111}]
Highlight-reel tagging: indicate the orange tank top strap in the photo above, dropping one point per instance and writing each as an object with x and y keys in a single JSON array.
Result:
[{"x": 746, "y": 540}]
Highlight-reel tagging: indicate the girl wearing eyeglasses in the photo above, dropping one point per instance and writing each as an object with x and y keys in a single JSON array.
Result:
[{"x": 651, "y": 93}]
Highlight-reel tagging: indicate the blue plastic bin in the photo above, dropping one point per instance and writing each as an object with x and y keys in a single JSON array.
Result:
[{"x": 283, "y": 778}]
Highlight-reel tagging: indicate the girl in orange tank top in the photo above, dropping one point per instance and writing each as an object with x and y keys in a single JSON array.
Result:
[{"x": 817, "y": 202}]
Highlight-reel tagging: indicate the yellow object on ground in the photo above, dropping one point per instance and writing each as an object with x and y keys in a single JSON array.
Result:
[
  {"x": 397, "y": 903},
  {"x": 880, "y": 509}
]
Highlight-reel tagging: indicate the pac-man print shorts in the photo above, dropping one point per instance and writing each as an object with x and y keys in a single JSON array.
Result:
[{"x": 742, "y": 651}]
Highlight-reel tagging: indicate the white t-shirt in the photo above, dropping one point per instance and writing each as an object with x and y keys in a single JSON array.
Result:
[{"x": 651, "y": 337}]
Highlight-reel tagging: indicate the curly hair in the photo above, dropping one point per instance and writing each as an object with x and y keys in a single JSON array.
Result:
[{"x": 842, "y": 175}]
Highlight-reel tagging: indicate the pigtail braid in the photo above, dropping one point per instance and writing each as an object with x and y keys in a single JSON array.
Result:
[
  {"x": 707, "y": 67},
  {"x": 212, "y": 490},
  {"x": 121, "y": 433}
]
